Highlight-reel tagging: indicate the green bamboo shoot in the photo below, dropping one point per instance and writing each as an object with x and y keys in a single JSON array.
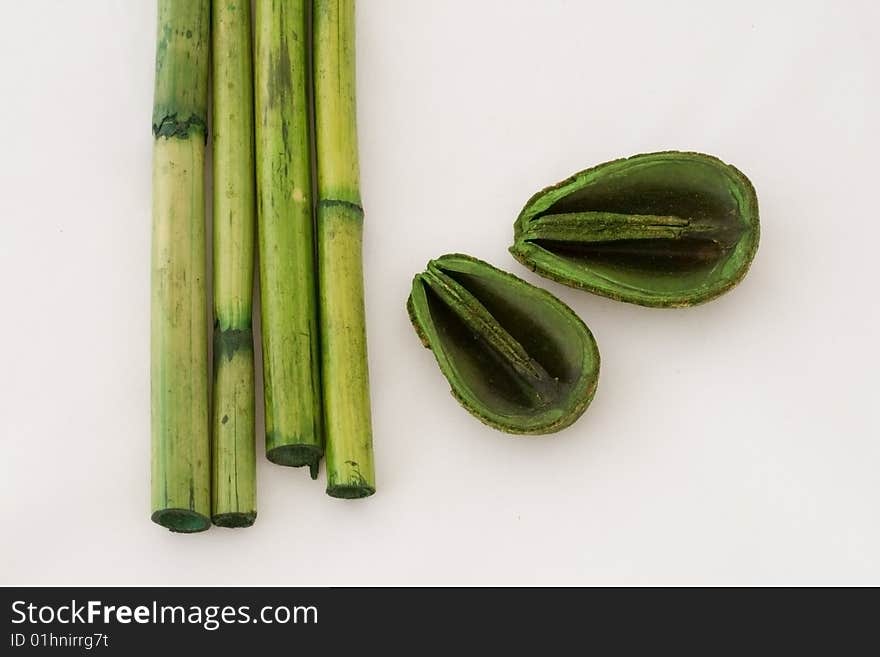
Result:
[
  {"x": 346, "y": 392},
  {"x": 234, "y": 490},
  {"x": 181, "y": 449},
  {"x": 285, "y": 229}
]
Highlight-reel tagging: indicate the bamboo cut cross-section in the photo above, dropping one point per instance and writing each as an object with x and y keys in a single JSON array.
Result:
[
  {"x": 286, "y": 236},
  {"x": 234, "y": 491},
  {"x": 181, "y": 450},
  {"x": 349, "y": 441}
]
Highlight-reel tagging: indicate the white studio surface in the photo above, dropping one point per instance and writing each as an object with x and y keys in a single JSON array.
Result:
[{"x": 733, "y": 443}]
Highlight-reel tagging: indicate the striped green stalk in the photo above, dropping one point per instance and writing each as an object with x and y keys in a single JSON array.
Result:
[
  {"x": 181, "y": 449},
  {"x": 234, "y": 491},
  {"x": 350, "y": 470},
  {"x": 286, "y": 236}
]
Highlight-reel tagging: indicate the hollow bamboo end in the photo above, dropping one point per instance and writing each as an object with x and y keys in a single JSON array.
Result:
[
  {"x": 181, "y": 521},
  {"x": 349, "y": 492},
  {"x": 233, "y": 520},
  {"x": 295, "y": 456}
]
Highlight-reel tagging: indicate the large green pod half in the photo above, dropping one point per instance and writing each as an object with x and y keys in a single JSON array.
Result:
[
  {"x": 515, "y": 356},
  {"x": 663, "y": 229}
]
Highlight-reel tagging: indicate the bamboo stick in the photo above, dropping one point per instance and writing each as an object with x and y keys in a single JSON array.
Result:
[
  {"x": 349, "y": 449},
  {"x": 234, "y": 489},
  {"x": 286, "y": 236},
  {"x": 181, "y": 475}
]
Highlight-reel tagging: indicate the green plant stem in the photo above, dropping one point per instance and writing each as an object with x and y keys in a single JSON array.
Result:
[
  {"x": 350, "y": 469},
  {"x": 291, "y": 347},
  {"x": 234, "y": 490},
  {"x": 181, "y": 450}
]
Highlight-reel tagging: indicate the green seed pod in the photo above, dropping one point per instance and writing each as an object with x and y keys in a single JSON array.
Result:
[
  {"x": 516, "y": 357},
  {"x": 662, "y": 229}
]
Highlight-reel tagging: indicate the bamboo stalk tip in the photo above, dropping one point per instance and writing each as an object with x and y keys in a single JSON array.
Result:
[
  {"x": 232, "y": 520},
  {"x": 181, "y": 521},
  {"x": 350, "y": 491},
  {"x": 296, "y": 456}
]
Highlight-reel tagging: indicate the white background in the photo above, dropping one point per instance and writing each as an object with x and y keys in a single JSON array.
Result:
[{"x": 734, "y": 443}]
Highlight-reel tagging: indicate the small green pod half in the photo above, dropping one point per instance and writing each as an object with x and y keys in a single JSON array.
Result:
[
  {"x": 515, "y": 356},
  {"x": 665, "y": 229}
]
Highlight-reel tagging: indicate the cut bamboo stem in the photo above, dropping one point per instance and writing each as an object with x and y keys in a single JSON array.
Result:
[
  {"x": 291, "y": 348},
  {"x": 181, "y": 450},
  {"x": 234, "y": 488},
  {"x": 348, "y": 429}
]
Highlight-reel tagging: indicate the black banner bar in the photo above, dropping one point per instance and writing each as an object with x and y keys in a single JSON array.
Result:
[{"x": 339, "y": 620}]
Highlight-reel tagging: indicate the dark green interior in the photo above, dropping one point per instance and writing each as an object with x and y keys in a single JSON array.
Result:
[
  {"x": 688, "y": 188},
  {"x": 550, "y": 340}
]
